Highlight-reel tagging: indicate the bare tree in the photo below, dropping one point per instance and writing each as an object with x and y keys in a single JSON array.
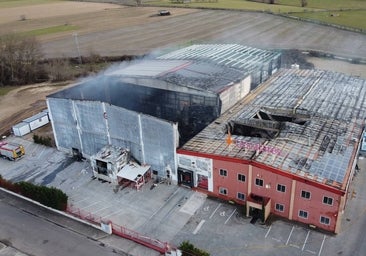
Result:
[
  {"x": 303, "y": 3},
  {"x": 59, "y": 70},
  {"x": 19, "y": 60}
]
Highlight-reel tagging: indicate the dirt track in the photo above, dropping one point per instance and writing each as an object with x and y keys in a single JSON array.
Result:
[{"x": 23, "y": 102}]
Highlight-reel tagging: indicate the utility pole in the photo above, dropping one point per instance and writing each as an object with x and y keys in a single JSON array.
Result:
[{"x": 77, "y": 46}]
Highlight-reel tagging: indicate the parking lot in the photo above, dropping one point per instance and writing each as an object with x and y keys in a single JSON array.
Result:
[
  {"x": 166, "y": 212},
  {"x": 225, "y": 231}
]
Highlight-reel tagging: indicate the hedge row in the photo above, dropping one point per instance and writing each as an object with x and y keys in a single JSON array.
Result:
[
  {"x": 51, "y": 197},
  {"x": 189, "y": 249},
  {"x": 47, "y": 141}
]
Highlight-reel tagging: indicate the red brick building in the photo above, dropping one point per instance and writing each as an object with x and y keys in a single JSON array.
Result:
[{"x": 290, "y": 148}]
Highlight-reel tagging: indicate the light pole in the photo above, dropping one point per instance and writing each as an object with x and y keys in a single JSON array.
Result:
[{"x": 77, "y": 45}]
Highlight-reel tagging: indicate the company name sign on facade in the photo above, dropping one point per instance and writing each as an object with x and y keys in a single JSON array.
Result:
[{"x": 257, "y": 147}]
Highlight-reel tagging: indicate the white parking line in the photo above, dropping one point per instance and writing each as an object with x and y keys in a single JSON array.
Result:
[
  {"x": 288, "y": 239},
  {"x": 41, "y": 152},
  {"x": 81, "y": 200},
  {"x": 198, "y": 227},
  {"x": 212, "y": 214},
  {"x": 103, "y": 208},
  {"x": 268, "y": 232},
  {"x": 294, "y": 245},
  {"x": 278, "y": 240},
  {"x": 171, "y": 196},
  {"x": 321, "y": 247},
  {"x": 97, "y": 202},
  {"x": 306, "y": 239},
  {"x": 230, "y": 216},
  {"x": 114, "y": 213},
  {"x": 312, "y": 252}
]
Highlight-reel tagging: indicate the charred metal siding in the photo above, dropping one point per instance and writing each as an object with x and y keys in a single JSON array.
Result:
[
  {"x": 64, "y": 124},
  {"x": 90, "y": 125}
]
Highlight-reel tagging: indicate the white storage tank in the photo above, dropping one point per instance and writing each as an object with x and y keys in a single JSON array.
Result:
[
  {"x": 21, "y": 129},
  {"x": 37, "y": 120}
]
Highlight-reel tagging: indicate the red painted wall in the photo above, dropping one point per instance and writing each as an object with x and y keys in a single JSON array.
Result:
[
  {"x": 231, "y": 181},
  {"x": 269, "y": 189},
  {"x": 315, "y": 206},
  {"x": 271, "y": 178}
]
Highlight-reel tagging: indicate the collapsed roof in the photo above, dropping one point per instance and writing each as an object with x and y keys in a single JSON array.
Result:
[{"x": 305, "y": 122}]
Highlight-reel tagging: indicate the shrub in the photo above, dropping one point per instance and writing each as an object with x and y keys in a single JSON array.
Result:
[
  {"x": 8, "y": 185},
  {"x": 47, "y": 141},
  {"x": 51, "y": 197},
  {"x": 189, "y": 249}
]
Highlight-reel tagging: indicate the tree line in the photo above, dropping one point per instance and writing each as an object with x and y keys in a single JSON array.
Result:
[
  {"x": 22, "y": 62},
  {"x": 19, "y": 60}
]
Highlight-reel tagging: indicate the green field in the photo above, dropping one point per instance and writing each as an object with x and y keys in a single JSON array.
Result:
[
  {"x": 233, "y": 4},
  {"x": 352, "y": 19},
  {"x": 50, "y": 30},
  {"x": 282, "y": 5},
  {"x": 347, "y": 13},
  {"x": 328, "y": 4}
]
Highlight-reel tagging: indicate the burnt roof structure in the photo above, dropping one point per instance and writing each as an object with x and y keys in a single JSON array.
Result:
[
  {"x": 230, "y": 55},
  {"x": 304, "y": 122},
  {"x": 191, "y": 86},
  {"x": 153, "y": 105}
]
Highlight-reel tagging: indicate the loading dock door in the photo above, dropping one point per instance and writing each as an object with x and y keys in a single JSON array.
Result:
[{"x": 185, "y": 177}]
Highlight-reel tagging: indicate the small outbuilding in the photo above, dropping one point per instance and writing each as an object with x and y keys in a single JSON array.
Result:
[
  {"x": 21, "y": 129},
  {"x": 37, "y": 120}
]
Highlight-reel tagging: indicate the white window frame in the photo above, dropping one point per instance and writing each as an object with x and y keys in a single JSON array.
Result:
[
  {"x": 223, "y": 191},
  {"x": 262, "y": 181},
  {"x": 304, "y": 213},
  {"x": 282, "y": 186},
  {"x": 240, "y": 193},
  {"x": 223, "y": 172},
  {"x": 280, "y": 205},
  {"x": 327, "y": 200},
  {"x": 242, "y": 175},
  {"x": 324, "y": 222},
  {"x": 306, "y": 192}
]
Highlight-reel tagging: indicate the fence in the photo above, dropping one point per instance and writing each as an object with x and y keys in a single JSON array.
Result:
[{"x": 118, "y": 230}]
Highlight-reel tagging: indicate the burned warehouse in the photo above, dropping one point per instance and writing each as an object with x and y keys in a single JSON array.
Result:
[
  {"x": 152, "y": 106},
  {"x": 290, "y": 149}
]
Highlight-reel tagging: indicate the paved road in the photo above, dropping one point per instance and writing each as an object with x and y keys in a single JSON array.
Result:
[
  {"x": 213, "y": 26},
  {"x": 32, "y": 235}
]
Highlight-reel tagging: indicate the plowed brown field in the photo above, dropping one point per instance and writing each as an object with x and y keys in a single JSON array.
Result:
[{"x": 110, "y": 29}]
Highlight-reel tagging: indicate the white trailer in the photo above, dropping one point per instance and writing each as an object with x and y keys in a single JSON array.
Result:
[
  {"x": 37, "y": 120},
  {"x": 21, "y": 129}
]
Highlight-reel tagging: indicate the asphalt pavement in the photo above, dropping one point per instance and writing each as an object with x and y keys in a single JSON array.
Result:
[{"x": 173, "y": 214}]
